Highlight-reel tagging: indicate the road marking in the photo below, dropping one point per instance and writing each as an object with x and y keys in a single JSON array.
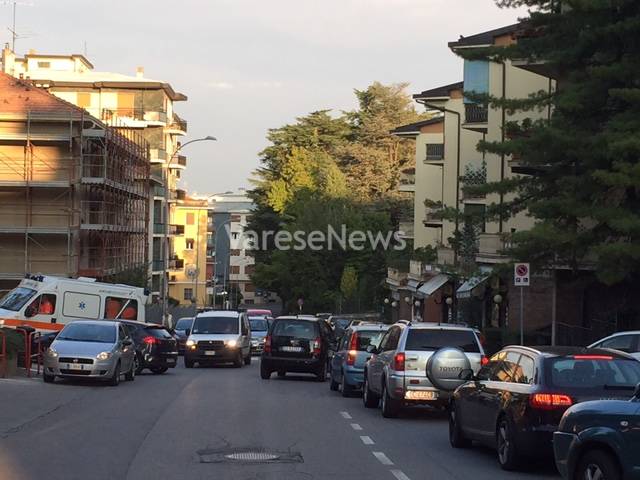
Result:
[
  {"x": 399, "y": 474},
  {"x": 345, "y": 415},
  {"x": 382, "y": 458},
  {"x": 366, "y": 440},
  {"x": 356, "y": 426}
]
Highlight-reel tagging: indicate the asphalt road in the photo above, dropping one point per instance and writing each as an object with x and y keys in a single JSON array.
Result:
[{"x": 182, "y": 425}]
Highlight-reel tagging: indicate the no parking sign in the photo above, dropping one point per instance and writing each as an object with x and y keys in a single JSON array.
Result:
[{"x": 521, "y": 273}]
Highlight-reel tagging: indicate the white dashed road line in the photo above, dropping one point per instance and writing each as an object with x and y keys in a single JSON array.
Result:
[
  {"x": 356, "y": 426},
  {"x": 345, "y": 415},
  {"x": 382, "y": 458},
  {"x": 399, "y": 474},
  {"x": 366, "y": 440}
]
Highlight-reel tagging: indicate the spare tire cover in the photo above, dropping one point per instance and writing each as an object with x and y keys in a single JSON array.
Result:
[{"x": 444, "y": 366}]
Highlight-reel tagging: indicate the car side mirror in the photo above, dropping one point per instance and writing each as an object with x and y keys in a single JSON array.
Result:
[
  {"x": 466, "y": 374},
  {"x": 187, "y": 332},
  {"x": 636, "y": 393}
]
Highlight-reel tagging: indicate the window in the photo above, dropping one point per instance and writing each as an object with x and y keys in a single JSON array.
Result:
[
  {"x": 84, "y": 99},
  {"x": 189, "y": 243},
  {"x": 525, "y": 373},
  {"x": 17, "y": 298},
  {"x": 188, "y": 294},
  {"x": 235, "y": 269},
  {"x": 624, "y": 343},
  {"x": 157, "y": 332},
  {"x": 122, "y": 333},
  {"x": 391, "y": 340},
  {"x": 216, "y": 325},
  {"x": 364, "y": 338},
  {"x": 295, "y": 329},
  {"x": 44, "y": 304},
  {"x": 44, "y": 64},
  {"x": 569, "y": 372},
  {"x": 126, "y": 104},
  {"x": 124, "y": 308},
  {"x": 191, "y": 219},
  {"x": 234, "y": 235},
  {"x": 433, "y": 339},
  {"x": 435, "y": 151}
]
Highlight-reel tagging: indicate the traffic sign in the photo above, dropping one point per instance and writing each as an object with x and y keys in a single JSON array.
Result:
[{"x": 521, "y": 275}]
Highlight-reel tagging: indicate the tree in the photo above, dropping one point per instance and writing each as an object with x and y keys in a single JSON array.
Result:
[
  {"x": 348, "y": 283},
  {"x": 585, "y": 195}
]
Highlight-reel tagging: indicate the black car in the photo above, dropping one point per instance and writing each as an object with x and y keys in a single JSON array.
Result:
[
  {"x": 181, "y": 332},
  {"x": 517, "y": 399},
  {"x": 156, "y": 349},
  {"x": 299, "y": 345},
  {"x": 599, "y": 439}
]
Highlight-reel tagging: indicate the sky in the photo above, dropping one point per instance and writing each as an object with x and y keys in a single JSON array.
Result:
[{"x": 251, "y": 65}]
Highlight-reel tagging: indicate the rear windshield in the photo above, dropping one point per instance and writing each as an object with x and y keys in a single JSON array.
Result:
[
  {"x": 216, "y": 325},
  {"x": 295, "y": 329},
  {"x": 434, "y": 339},
  {"x": 184, "y": 323},
  {"x": 16, "y": 298},
  {"x": 259, "y": 324},
  {"x": 609, "y": 374},
  {"x": 157, "y": 332},
  {"x": 88, "y": 332},
  {"x": 364, "y": 338}
]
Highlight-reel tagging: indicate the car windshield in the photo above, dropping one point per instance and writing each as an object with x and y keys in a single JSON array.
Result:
[
  {"x": 184, "y": 323},
  {"x": 594, "y": 372},
  {"x": 216, "y": 325},
  {"x": 259, "y": 324},
  {"x": 364, "y": 338},
  {"x": 88, "y": 332},
  {"x": 434, "y": 339},
  {"x": 16, "y": 298},
  {"x": 295, "y": 329}
]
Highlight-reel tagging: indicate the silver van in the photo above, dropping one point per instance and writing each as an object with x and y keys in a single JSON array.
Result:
[{"x": 219, "y": 336}]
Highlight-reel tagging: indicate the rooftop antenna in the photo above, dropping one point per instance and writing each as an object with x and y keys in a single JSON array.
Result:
[{"x": 14, "y": 34}]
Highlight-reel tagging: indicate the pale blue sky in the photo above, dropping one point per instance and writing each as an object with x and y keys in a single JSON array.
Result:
[{"x": 251, "y": 65}]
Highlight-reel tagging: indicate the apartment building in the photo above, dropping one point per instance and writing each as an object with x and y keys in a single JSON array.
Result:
[
  {"x": 188, "y": 266},
  {"x": 137, "y": 103},
  {"x": 74, "y": 191}
]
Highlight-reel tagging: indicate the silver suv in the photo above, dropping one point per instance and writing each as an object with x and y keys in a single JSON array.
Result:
[{"x": 396, "y": 374}]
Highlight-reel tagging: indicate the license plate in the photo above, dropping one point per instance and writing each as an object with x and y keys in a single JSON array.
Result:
[
  {"x": 210, "y": 353},
  {"x": 421, "y": 395},
  {"x": 290, "y": 349},
  {"x": 75, "y": 366}
]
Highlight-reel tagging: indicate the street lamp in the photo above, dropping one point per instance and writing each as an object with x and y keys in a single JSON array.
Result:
[{"x": 165, "y": 292}]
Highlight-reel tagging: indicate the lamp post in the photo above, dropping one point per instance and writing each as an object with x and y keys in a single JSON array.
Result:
[{"x": 165, "y": 283}]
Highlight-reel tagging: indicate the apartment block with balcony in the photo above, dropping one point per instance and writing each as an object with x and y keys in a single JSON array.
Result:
[{"x": 134, "y": 102}]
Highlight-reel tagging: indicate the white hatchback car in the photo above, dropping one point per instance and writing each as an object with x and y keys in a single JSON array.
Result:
[{"x": 628, "y": 342}]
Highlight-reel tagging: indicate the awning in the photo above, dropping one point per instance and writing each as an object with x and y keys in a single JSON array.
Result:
[
  {"x": 412, "y": 285},
  {"x": 467, "y": 287},
  {"x": 432, "y": 285}
]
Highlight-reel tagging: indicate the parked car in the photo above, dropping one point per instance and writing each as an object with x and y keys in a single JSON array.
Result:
[
  {"x": 181, "y": 332},
  {"x": 259, "y": 329},
  {"x": 347, "y": 364},
  {"x": 339, "y": 325},
  {"x": 217, "y": 337},
  {"x": 297, "y": 344},
  {"x": 599, "y": 440},
  {"x": 516, "y": 401},
  {"x": 395, "y": 375},
  {"x": 156, "y": 349},
  {"x": 628, "y": 342},
  {"x": 91, "y": 349}
]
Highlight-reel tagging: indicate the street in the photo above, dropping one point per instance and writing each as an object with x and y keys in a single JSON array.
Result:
[{"x": 184, "y": 423}]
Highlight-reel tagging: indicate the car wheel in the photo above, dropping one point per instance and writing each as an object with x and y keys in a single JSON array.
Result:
[
  {"x": 321, "y": 376},
  {"x": 369, "y": 398},
  {"x": 345, "y": 388},
  {"x": 390, "y": 407},
  {"x": 265, "y": 373},
  {"x": 159, "y": 370},
  {"x": 188, "y": 363},
  {"x": 456, "y": 437},
  {"x": 597, "y": 464},
  {"x": 114, "y": 381},
  {"x": 46, "y": 378},
  {"x": 247, "y": 360},
  {"x": 239, "y": 360},
  {"x": 505, "y": 442},
  {"x": 130, "y": 376}
]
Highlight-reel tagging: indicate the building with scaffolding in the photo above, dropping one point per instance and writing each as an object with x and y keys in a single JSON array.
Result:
[
  {"x": 74, "y": 192},
  {"x": 135, "y": 102}
]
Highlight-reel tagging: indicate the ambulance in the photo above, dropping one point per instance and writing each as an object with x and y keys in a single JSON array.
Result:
[{"x": 48, "y": 303}]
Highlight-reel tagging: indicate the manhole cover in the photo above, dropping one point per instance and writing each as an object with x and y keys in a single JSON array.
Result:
[{"x": 252, "y": 456}]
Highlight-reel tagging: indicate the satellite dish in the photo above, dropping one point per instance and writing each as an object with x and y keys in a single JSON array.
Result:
[{"x": 192, "y": 271}]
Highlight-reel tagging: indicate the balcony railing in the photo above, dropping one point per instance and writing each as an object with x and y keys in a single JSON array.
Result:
[
  {"x": 158, "y": 154},
  {"x": 176, "y": 229},
  {"x": 158, "y": 191},
  {"x": 178, "y": 124},
  {"x": 176, "y": 264},
  {"x": 435, "y": 151},
  {"x": 181, "y": 160},
  {"x": 158, "y": 265},
  {"x": 475, "y": 113},
  {"x": 180, "y": 194},
  {"x": 148, "y": 114},
  {"x": 159, "y": 228}
]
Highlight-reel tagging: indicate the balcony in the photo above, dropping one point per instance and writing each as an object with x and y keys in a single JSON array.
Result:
[
  {"x": 159, "y": 229},
  {"x": 492, "y": 247},
  {"x": 159, "y": 191},
  {"x": 476, "y": 117},
  {"x": 177, "y": 126},
  {"x": 176, "y": 230},
  {"x": 134, "y": 117},
  {"x": 179, "y": 162},
  {"x": 158, "y": 155},
  {"x": 157, "y": 175},
  {"x": 176, "y": 263},
  {"x": 435, "y": 152},
  {"x": 475, "y": 175},
  {"x": 432, "y": 218},
  {"x": 181, "y": 194}
]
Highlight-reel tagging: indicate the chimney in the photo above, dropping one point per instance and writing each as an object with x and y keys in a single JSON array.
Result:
[
  {"x": 8, "y": 60},
  {"x": 140, "y": 72},
  {"x": 32, "y": 51}
]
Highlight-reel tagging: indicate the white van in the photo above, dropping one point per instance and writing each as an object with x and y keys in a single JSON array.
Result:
[{"x": 49, "y": 303}]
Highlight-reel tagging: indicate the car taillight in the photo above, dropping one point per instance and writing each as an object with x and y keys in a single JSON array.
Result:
[
  {"x": 317, "y": 346},
  {"x": 592, "y": 357},
  {"x": 353, "y": 349},
  {"x": 398, "y": 362},
  {"x": 550, "y": 401},
  {"x": 267, "y": 344},
  {"x": 484, "y": 360},
  {"x": 150, "y": 340}
]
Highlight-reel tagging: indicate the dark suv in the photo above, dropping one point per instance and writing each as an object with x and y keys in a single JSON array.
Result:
[
  {"x": 516, "y": 401},
  {"x": 297, "y": 344},
  {"x": 156, "y": 349}
]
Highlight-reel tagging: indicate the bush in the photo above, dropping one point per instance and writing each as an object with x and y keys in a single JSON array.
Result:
[{"x": 15, "y": 341}]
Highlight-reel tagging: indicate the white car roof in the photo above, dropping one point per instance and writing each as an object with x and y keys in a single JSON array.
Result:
[{"x": 219, "y": 313}]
